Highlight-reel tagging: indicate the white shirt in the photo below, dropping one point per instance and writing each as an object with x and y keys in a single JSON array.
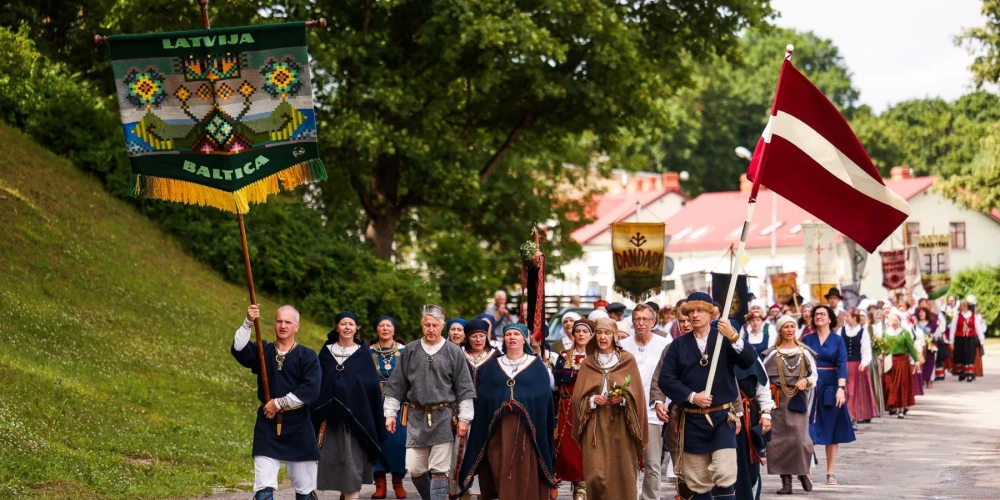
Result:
[
  {"x": 980, "y": 326},
  {"x": 866, "y": 342},
  {"x": 240, "y": 341},
  {"x": 647, "y": 357},
  {"x": 757, "y": 338}
]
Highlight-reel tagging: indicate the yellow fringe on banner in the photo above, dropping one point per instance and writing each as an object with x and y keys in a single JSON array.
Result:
[{"x": 162, "y": 188}]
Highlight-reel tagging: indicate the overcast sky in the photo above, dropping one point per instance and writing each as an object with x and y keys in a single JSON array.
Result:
[{"x": 895, "y": 49}]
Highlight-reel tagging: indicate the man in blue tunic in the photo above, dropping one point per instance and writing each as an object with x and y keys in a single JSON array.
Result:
[
  {"x": 706, "y": 466},
  {"x": 293, "y": 375}
]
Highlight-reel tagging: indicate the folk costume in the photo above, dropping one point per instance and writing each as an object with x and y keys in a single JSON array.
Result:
[
  {"x": 294, "y": 380},
  {"x": 860, "y": 395},
  {"x": 647, "y": 357},
  {"x": 707, "y": 462},
  {"x": 510, "y": 445},
  {"x": 829, "y": 424},
  {"x": 968, "y": 332},
  {"x": 920, "y": 344},
  {"x": 790, "y": 451},
  {"x": 393, "y": 445},
  {"x": 931, "y": 331},
  {"x": 347, "y": 416},
  {"x": 762, "y": 340},
  {"x": 898, "y": 382},
  {"x": 475, "y": 362},
  {"x": 433, "y": 381},
  {"x": 755, "y": 404},
  {"x": 568, "y": 456},
  {"x": 612, "y": 438}
]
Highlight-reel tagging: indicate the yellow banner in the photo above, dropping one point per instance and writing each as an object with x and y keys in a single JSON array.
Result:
[
  {"x": 638, "y": 258},
  {"x": 819, "y": 291},
  {"x": 784, "y": 285}
]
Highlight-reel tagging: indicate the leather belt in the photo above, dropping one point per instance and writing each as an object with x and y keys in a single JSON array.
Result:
[{"x": 706, "y": 411}]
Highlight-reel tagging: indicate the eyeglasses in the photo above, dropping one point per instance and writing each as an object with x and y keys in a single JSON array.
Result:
[
  {"x": 637, "y": 319},
  {"x": 820, "y": 314}
]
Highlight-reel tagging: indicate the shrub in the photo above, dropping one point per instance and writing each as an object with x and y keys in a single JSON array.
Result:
[{"x": 984, "y": 283}]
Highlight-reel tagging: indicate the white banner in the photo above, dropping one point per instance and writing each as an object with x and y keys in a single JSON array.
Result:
[{"x": 820, "y": 242}]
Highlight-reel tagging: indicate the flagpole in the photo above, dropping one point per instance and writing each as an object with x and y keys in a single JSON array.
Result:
[{"x": 737, "y": 266}]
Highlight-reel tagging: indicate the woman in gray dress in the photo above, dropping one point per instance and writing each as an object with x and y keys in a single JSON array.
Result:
[
  {"x": 791, "y": 369},
  {"x": 345, "y": 414}
]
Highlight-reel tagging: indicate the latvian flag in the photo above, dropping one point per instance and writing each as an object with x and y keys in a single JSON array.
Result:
[{"x": 809, "y": 155}]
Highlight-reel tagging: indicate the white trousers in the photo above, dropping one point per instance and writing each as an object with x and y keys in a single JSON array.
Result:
[
  {"x": 434, "y": 459},
  {"x": 301, "y": 474}
]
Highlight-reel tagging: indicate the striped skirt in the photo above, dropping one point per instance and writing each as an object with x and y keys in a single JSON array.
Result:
[
  {"x": 860, "y": 396},
  {"x": 898, "y": 383}
]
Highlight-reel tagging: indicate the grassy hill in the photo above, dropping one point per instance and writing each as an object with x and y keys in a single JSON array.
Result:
[{"x": 115, "y": 374}]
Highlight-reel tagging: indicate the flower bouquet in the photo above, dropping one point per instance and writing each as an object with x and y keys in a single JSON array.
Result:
[
  {"x": 620, "y": 390},
  {"x": 878, "y": 345}
]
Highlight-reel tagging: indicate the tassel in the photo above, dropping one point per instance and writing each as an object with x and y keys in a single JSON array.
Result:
[{"x": 162, "y": 188}]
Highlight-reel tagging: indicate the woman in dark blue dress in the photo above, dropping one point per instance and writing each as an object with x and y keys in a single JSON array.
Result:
[{"x": 830, "y": 422}]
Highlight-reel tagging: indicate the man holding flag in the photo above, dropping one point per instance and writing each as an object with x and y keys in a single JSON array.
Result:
[
  {"x": 706, "y": 467},
  {"x": 809, "y": 155}
]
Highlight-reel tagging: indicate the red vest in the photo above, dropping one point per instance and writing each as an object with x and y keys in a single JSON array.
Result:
[{"x": 966, "y": 327}]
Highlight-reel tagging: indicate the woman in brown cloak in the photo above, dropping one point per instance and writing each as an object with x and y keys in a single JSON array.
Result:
[{"x": 610, "y": 419}]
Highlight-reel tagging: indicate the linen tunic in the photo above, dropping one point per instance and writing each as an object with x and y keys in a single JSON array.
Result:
[{"x": 427, "y": 380}]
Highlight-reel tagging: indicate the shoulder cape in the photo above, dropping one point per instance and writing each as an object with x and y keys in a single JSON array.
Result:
[
  {"x": 352, "y": 396},
  {"x": 531, "y": 401}
]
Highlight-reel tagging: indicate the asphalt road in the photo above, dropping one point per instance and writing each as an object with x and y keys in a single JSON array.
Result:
[{"x": 948, "y": 447}]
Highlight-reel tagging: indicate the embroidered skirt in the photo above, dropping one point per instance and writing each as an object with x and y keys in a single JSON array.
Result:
[
  {"x": 860, "y": 396},
  {"x": 899, "y": 383}
]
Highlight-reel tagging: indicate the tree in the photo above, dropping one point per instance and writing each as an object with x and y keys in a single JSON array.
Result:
[{"x": 423, "y": 99}]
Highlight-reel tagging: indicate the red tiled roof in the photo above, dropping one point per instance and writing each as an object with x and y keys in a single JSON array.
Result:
[
  {"x": 610, "y": 208},
  {"x": 723, "y": 213}
]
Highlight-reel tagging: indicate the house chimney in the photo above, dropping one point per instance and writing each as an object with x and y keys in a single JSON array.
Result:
[
  {"x": 671, "y": 180},
  {"x": 899, "y": 173},
  {"x": 746, "y": 185}
]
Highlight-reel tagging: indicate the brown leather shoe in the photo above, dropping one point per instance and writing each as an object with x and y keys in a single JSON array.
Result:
[
  {"x": 380, "y": 489},
  {"x": 807, "y": 482},
  {"x": 397, "y": 486},
  {"x": 786, "y": 485}
]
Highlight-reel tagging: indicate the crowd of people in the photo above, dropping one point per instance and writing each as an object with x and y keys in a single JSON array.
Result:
[{"x": 483, "y": 409}]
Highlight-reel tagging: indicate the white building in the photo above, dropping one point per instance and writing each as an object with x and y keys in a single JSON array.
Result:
[{"x": 703, "y": 229}]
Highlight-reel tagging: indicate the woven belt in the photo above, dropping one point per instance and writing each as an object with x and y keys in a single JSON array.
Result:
[{"x": 706, "y": 411}]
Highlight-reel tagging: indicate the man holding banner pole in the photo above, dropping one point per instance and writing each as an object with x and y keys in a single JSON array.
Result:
[{"x": 706, "y": 464}]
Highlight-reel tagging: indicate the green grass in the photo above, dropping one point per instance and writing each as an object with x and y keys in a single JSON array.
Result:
[{"x": 115, "y": 374}]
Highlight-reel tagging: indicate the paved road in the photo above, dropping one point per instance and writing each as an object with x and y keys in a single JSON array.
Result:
[{"x": 948, "y": 447}]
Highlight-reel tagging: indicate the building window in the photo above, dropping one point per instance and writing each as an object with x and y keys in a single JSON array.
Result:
[
  {"x": 910, "y": 233},
  {"x": 957, "y": 230}
]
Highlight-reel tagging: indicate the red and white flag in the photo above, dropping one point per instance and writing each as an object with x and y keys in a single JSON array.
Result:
[{"x": 809, "y": 155}]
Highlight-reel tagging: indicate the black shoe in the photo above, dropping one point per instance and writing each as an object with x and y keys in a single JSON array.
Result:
[
  {"x": 311, "y": 496},
  {"x": 906, "y": 410},
  {"x": 961, "y": 378},
  {"x": 866, "y": 421},
  {"x": 264, "y": 494}
]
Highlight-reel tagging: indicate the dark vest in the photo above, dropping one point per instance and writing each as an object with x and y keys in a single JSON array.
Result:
[{"x": 853, "y": 344}]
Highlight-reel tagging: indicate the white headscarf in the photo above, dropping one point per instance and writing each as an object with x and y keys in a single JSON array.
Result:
[
  {"x": 597, "y": 314},
  {"x": 572, "y": 315}
]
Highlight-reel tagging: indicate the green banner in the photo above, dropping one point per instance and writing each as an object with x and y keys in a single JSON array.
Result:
[{"x": 217, "y": 111}]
